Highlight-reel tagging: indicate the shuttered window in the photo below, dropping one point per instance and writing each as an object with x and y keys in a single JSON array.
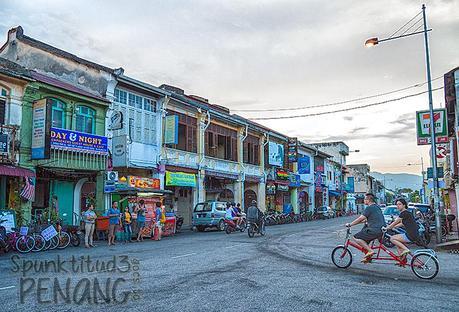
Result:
[{"x": 2, "y": 111}]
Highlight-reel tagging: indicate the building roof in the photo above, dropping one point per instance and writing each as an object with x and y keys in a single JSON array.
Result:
[
  {"x": 49, "y": 48},
  {"x": 66, "y": 86},
  {"x": 15, "y": 70}
]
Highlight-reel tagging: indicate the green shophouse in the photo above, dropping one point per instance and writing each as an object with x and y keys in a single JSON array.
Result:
[{"x": 71, "y": 157}]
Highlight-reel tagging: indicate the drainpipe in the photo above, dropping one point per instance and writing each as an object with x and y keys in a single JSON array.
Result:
[{"x": 201, "y": 138}]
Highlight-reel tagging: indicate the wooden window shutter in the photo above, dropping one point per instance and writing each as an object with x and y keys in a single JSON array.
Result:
[
  {"x": 2, "y": 111},
  {"x": 234, "y": 149},
  {"x": 256, "y": 154}
]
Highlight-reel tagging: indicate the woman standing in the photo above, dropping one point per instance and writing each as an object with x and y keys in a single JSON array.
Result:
[
  {"x": 89, "y": 218},
  {"x": 141, "y": 220},
  {"x": 127, "y": 219}
]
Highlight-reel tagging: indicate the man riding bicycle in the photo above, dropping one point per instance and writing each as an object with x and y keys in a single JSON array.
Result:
[{"x": 374, "y": 219}]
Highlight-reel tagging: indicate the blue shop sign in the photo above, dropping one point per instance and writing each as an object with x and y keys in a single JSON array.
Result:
[
  {"x": 78, "y": 141},
  {"x": 304, "y": 165},
  {"x": 295, "y": 180}
]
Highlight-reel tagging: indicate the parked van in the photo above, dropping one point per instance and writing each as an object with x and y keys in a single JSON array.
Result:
[{"x": 209, "y": 214}]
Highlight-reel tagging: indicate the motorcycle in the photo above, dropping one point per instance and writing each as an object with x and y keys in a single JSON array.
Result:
[
  {"x": 179, "y": 223},
  {"x": 231, "y": 226},
  {"x": 254, "y": 227},
  {"x": 423, "y": 234}
]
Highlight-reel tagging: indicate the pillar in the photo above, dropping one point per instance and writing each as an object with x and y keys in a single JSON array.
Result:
[
  {"x": 239, "y": 185},
  {"x": 294, "y": 192},
  {"x": 261, "y": 195}
]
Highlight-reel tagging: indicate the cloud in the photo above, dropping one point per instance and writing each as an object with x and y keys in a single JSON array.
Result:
[{"x": 348, "y": 118}]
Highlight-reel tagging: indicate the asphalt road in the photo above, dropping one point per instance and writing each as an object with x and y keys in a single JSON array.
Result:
[{"x": 289, "y": 269}]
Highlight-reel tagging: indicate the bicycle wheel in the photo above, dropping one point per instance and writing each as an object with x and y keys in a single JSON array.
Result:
[
  {"x": 64, "y": 240},
  {"x": 341, "y": 257},
  {"x": 425, "y": 265},
  {"x": 39, "y": 242},
  {"x": 25, "y": 244},
  {"x": 54, "y": 242}
]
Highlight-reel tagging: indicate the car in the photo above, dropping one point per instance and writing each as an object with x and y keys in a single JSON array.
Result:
[
  {"x": 324, "y": 212},
  {"x": 423, "y": 208},
  {"x": 209, "y": 214},
  {"x": 390, "y": 213}
]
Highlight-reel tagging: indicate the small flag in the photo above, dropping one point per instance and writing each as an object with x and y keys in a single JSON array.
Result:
[{"x": 28, "y": 191}]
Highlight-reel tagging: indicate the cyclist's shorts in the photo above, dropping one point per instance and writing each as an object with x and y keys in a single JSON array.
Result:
[{"x": 368, "y": 234}]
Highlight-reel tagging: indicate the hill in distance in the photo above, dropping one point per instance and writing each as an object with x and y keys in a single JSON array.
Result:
[{"x": 399, "y": 180}]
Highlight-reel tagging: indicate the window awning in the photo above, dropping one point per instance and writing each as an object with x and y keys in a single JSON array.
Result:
[{"x": 14, "y": 171}]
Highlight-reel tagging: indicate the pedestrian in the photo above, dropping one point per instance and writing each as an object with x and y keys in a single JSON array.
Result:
[
  {"x": 158, "y": 215},
  {"x": 127, "y": 224},
  {"x": 140, "y": 220},
  {"x": 114, "y": 221},
  {"x": 89, "y": 218}
]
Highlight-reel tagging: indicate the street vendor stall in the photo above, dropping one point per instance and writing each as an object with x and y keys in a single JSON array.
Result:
[{"x": 131, "y": 190}]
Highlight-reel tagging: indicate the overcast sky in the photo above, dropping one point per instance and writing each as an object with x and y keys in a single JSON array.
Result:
[{"x": 269, "y": 54}]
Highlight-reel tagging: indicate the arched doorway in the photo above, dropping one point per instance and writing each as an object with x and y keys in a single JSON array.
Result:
[
  {"x": 303, "y": 201},
  {"x": 249, "y": 195},
  {"x": 226, "y": 195}
]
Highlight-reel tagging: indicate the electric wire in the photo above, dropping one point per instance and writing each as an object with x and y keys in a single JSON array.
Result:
[
  {"x": 345, "y": 109},
  {"x": 406, "y": 30},
  {"x": 335, "y": 103}
]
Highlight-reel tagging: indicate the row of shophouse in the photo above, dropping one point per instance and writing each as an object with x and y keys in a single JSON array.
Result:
[{"x": 73, "y": 130}]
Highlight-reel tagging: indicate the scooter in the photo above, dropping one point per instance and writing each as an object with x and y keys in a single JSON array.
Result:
[
  {"x": 254, "y": 227},
  {"x": 231, "y": 226},
  {"x": 179, "y": 223}
]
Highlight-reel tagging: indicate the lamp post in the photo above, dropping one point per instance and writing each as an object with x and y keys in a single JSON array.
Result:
[
  {"x": 374, "y": 41},
  {"x": 422, "y": 174},
  {"x": 342, "y": 177}
]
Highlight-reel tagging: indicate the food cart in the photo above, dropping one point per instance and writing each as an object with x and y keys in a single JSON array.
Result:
[{"x": 129, "y": 191}]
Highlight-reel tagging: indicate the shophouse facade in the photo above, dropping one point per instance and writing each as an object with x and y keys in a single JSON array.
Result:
[{"x": 305, "y": 169}]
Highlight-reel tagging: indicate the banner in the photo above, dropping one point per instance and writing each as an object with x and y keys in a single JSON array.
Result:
[
  {"x": 40, "y": 129},
  {"x": 423, "y": 126},
  {"x": 63, "y": 139},
  {"x": 304, "y": 165},
  {"x": 171, "y": 129},
  {"x": 276, "y": 154},
  {"x": 4, "y": 144},
  {"x": 180, "y": 179}
]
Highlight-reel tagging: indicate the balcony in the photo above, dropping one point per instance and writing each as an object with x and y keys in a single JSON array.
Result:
[
  {"x": 216, "y": 164},
  {"x": 174, "y": 157},
  {"x": 253, "y": 170}
]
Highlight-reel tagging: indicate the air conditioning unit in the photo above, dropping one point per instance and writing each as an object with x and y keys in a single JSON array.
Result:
[{"x": 111, "y": 176}]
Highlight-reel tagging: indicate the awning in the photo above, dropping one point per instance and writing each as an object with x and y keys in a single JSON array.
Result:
[
  {"x": 335, "y": 193},
  {"x": 14, "y": 171}
]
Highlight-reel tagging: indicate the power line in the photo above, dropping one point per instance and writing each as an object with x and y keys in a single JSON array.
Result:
[
  {"x": 334, "y": 103},
  {"x": 345, "y": 109}
]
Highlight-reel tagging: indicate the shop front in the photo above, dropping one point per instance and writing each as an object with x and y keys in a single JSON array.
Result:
[
  {"x": 183, "y": 186},
  {"x": 220, "y": 186},
  {"x": 250, "y": 190}
]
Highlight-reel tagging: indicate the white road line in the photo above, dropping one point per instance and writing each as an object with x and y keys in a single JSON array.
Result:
[
  {"x": 7, "y": 287},
  {"x": 187, "y": 255},
  {"x": 234, "y": 246}
]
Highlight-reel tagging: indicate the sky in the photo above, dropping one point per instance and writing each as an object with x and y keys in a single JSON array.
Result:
[{"x": 269, "y": 55}]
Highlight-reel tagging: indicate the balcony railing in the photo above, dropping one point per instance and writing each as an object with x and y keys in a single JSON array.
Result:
[{"x": 176, "y": 157}]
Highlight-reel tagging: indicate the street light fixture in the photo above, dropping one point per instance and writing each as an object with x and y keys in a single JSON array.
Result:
[{"x": 374, "y": 41}]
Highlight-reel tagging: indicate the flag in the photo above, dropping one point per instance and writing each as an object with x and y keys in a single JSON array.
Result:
[{"x": 28, "y": 191}]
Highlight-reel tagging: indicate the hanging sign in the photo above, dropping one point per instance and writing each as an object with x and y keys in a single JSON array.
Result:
[
  {"x": 3, "y": 144},
  {"x": 304, "y": 165},
  {"x": 63, "y": 139},
  {"x": 40, "y": 129},
  {"x": 171, "y": 129},
  {"x": 143, "y": 183},
  {"x": 292, "y": 149},
  {"x": 423, "y": 126},
  {"x": 116, "y": 120},
  {"x": 180, "y": 179},
  {"x": 276, "y": 154},
  {"x": 49, "y": 233}
]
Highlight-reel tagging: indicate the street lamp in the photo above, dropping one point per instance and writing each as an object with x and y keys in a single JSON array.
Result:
[
  {"x": 424, "y": 201},
  {"x": 342, "y": 177},
  {"x": 374, "y": 41}
]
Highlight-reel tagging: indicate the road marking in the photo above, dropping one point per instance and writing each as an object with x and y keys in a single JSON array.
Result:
[
  {"x": 187, "y": 255},
  {"x": 232, "y": 246},
  {"x": 7, "y": 287}
]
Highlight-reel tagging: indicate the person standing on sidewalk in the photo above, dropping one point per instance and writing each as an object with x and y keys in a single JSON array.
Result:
[
  {"x": 114, "y": 215},
  {"x": 158, "y": 216},
  {"x": 89, "y": 218},
  {"x": 127, "y": 220},
  {"x": 140, "y": 220}
]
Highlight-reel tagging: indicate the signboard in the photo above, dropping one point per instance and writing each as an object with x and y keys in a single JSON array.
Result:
[
  {"x": 318, "y": 181},
  {"x": 350, "y": 185},
  {"x": 304, "y": 165},
  {"x": 63, "y": 139},
  {"x": 171, "y": 129},
  {"x": 319, "y": 164},
  {"x": 441, "y": 184},
  {"x": 282, "y": 188},
  {"x": 281, "y": 174},
  {"x": 292, "y": 149},
  {"x": 295, "y": 180},
  {"x": 116, "y": 120},
  {"x": 275, "y": 154},
  {"x": 40, "y": 129},
  {"x": 3, "y": 143},
  {"x": 180, "y": 179},
  {"x": 270, "y": 189},
  {"x": 440, "y": 173},
  {"x": 8, "y": 219},
  {"x": 423, "y": 126},
  {"x": 119, "y": 151},
  {"x": 141, "y": 182},
  {"x": 442, "y": 151},
  {"x": 23, "y": 231},
  {"x": 49, "y": 233}
]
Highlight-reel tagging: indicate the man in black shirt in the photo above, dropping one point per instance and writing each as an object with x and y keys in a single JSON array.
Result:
[
  {"x": 407, "y": 220},
  {"x": 374, "y": 220}
]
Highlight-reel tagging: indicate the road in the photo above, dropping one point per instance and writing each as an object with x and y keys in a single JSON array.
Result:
[{"x": 287, "y": 270}]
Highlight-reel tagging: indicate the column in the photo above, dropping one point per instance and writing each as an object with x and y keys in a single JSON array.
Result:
[
  {"x": 294, "y": 192},
  {"x": 201, "y": 129},
  {"x": 261, "y": 195}
]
